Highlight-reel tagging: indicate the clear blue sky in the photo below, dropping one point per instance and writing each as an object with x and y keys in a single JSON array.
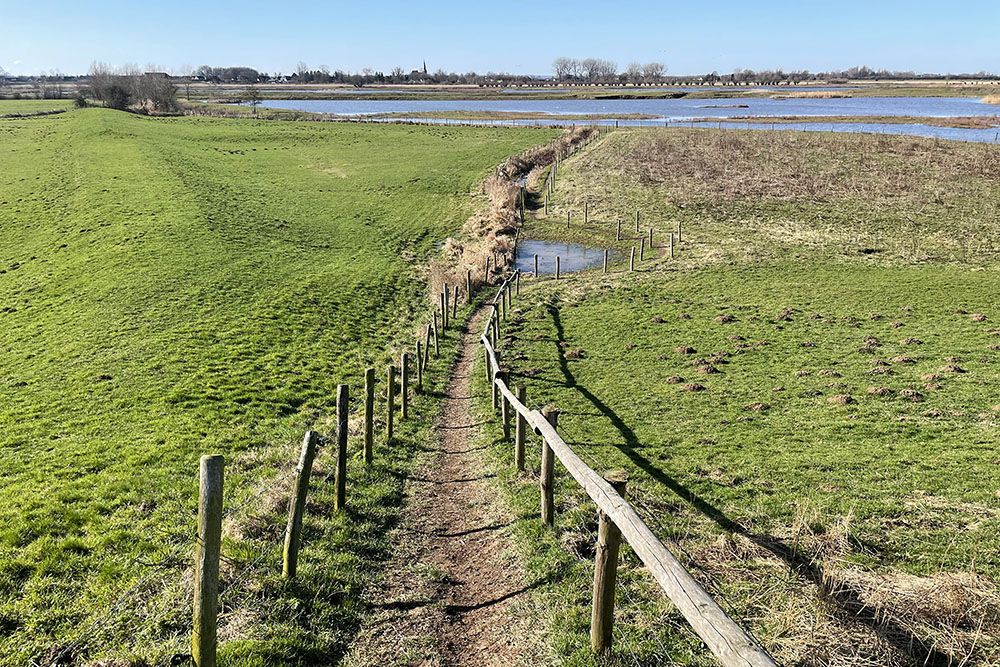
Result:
[{"x": 690, "y": 37}]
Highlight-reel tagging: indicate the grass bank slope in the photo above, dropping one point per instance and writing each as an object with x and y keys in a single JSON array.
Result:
[{"x": 172, "y": 287}]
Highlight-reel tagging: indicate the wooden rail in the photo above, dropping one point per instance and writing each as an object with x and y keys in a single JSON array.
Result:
[{"x": 730, "y": 643}]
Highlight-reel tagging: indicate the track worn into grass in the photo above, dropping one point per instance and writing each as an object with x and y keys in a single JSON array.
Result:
[{"x": 450, "y": 591}]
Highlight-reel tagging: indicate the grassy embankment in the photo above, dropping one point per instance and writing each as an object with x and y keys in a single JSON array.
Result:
[
  {"x": 173, "y": 287},
  {"x": 805, "y": 399}
]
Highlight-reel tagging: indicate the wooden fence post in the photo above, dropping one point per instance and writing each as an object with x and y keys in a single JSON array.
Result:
[
  {"x": 519, "y": 432},
  {"x": 370, "y": 413},
  {"x": 536, "y": 266},
  {"x": 454, "y": 303},
  {"x": 678, "y": 231},
  {"x": 631, "y": 259},
  {"x": 670, "y": 251},
  {"x": 390, "y": 395},
  {"x": 420, "y": 368},
  {"x": 558, "y": 260},
  {"x": 569, "y": 216},
  {"x": 468, "y": 285},
  {"x": 650, "y": 238},
  {"x": 427, "y": 346},
  {"x": 504, "y": 407},
  {"x": 586, "y": 212},
  {"x": 340, "y": 474},
  {"x": 297, "y": 506},
  {"x": 547, "y": 477},
  {"x": 642, "y": 248},
  {"x": 605, "y": 260},
  {"x": 207, "y": 551},
  {"x": 404, "y": 389},
  {"x": 618, "y": 231},
  {"x": 517, "y": 284},
  {"x": 605, "y": 575},
  {"x": 443, "y": 307},
  {"x": 437, "y": 347}
]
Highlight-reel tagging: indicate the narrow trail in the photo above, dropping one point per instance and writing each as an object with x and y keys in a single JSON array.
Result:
[{"x": 451, "y": 589}]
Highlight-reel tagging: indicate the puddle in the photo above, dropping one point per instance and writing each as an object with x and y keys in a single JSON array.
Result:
[{"x": 572, "y": 256}]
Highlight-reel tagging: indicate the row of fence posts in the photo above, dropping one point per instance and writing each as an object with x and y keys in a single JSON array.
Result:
[
  {"x": 208, "y": 545},
  {"x": 729, "y": 643},
  {"x": 550, "y": 179},
  {"x": 671, "y": 250},
  {"x": 608, "y": 534}
]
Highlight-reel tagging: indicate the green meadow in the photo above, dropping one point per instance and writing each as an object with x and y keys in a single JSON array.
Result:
[
  {"x": 179, "y": 286},
  {"x": 805, "y": 400}
]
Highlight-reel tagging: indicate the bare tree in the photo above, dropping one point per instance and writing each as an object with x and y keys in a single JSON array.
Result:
[
  {"x": 563, "y": 68},
  {"x": 252, "y": 97},
  {"x": 654, "y": 71},
  {"x": 301, "y": 69},
  {"x": 634, "y": 72}
]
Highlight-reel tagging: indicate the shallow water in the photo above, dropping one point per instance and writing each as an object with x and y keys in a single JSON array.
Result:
[
  {"x": 572, "y": 256},
  {"x": 674, "y": 111},
  {"x": 663, "y": 109}
]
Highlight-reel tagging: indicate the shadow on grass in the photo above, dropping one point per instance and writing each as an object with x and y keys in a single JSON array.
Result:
[{"x": 846, "y": 598}]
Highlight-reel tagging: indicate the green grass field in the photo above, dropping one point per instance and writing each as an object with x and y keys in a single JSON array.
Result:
[
  {"x": 22, "y": 107},
  {"x": 805, "y": 399},
  {"x": 173, "y": 287}
]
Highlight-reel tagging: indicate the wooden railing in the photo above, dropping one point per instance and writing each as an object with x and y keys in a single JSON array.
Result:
[{"x": 730, "y": 643}]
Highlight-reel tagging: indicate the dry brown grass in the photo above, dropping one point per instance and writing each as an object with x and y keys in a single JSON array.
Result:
[
  {"x": 813, "y": 94},
  {"x": 490, "y": 233},
  {"x": 756, "y": 165},
  {"x": 992, "y": 99}
]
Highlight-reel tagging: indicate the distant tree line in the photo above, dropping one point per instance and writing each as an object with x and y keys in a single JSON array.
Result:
[{"x": 130, "y": 88}]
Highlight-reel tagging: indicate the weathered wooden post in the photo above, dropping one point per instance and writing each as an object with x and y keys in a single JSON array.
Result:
[
  {"x": 536, "y": 266},
  {"x": 369, "y": 443},
  {"x": 404, "y": 386},
  {"x": 519, "y": 432},
  {"x": 437, "y": 347},
  {"x": 557, "y": 266},
  {"x": 390, "y": 396},
  {"x": 678, "y": 231},
  {"x": 468, "y": 285},
  {"x": 670, "y": 250},
  {"x": 207, "y": 551},
  {"x": 642, "y": 248},
  {"x": 586, "y": 212},
  {"x": 631, "y": 259},
  {"x": 443, "y": 307},
  {"x": 454, "y": 303},
  {"x": 618, "y": 231},
  {"x": 650, "y": 238},
  {"x": 427, "y": 346},
  {"x": 605, "y": 260},
  {"x": 517, "y": 284},
  {"x": 420, "y": 367},
  {"x": 447, "y": 305},
  {"x": 609, "y": 539},
  {"x": 340, "y": 474},
  {"x": 486, "y": 272},
  {"x": 297, "y": 506},
  {"x": 547, "y": 477},
  {"x": 569, "y": 216}
]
